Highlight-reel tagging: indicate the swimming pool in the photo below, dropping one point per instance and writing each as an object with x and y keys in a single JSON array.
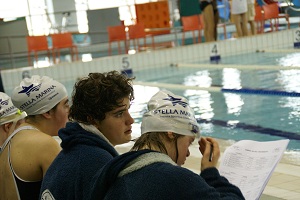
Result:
[
  {"x": 232, "y": 115},
  {"x": 225, "y": 115}
]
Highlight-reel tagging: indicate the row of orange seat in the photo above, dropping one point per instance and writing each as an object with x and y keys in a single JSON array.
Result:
[
  {"x": 196, "y": 23},
  {"x": 124, "y": 33},
  {"x": 135, "y": 32},
  {"x": 269, "y": 12},
  {"x": 59, "y": 41}
]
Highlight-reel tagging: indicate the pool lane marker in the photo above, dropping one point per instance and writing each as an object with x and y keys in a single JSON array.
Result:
[
  {"x": 234, "y": 66},
  {"x": 219, "y": 89},
  {"x": 262, "y": 92},
  {"x": 177, "y": 86},
  {"x": 253, "y": 128}
]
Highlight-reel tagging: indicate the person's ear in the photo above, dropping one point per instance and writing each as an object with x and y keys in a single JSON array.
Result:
[
  {"x": 170, "y": 135},
  {"x": 47, "y": 115},
  {"x": 7, "y": 126}
]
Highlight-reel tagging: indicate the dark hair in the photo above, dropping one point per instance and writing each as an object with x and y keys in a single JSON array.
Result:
[
  {"x": 33, "y": 117},
  {"x": 97, "y": 94},
  {"x": 154, "y": 141}
]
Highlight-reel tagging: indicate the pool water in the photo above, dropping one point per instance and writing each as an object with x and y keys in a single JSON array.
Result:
[{"x": 229, "y": 115}]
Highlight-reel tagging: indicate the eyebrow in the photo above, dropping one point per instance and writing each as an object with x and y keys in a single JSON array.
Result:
[{"x": 120, "y": 109}]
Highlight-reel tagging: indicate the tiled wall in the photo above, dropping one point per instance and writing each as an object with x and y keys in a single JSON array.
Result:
[{"x": 155, "y": 59}]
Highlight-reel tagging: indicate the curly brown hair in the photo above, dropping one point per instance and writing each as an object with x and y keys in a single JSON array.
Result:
[{"x": 97, "y": 94}]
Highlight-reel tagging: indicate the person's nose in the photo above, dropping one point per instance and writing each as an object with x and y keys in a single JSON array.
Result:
[{"x": 129, "y": 119}]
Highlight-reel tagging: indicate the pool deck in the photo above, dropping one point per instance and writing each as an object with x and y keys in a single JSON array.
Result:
[{"x": 284, "y": 183}]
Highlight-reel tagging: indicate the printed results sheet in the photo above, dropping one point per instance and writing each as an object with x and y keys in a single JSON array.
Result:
[{"x": 249, "y": 164}]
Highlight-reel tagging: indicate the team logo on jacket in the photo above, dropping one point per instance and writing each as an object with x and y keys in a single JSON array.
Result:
[
  {"x": 46, "y": 195},
  {"x": 30, "y": 88},
  {"x": 176, "y": 101}
]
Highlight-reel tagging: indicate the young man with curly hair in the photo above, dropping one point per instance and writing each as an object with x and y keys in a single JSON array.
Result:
[{"x": 99, "y": 120}]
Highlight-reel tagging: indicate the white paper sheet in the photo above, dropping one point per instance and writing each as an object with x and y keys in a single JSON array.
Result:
[{"x": 250, "y": 164}]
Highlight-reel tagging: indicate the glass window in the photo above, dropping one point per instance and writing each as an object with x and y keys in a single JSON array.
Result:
[{"x": 40, "y": 18}]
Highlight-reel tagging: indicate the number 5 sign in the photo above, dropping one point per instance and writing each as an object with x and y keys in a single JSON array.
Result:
[
  {"x": 214, "y": 54},
  {"x": 126, "y": 69}
]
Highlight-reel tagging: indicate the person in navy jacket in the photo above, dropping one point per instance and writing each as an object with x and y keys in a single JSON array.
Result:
[
  {"x": 152, "y": 169},
  {"x": 99, "y": 120}
]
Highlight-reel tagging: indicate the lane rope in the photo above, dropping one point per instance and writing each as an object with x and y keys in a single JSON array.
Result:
[
  {"x": 235, "y": 66},
  {"x": 219, "y": 89}
]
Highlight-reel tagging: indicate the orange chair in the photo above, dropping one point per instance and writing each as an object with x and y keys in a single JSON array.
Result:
[
  {"x": 191, "y": 23},
  {"x": 117, "y": 34},
  {"x": 259, "y": 19},
  {"x": 35, "y": 44},
  {"x": 137, "y": 32},
  {"x": 62, "y": 41},
  {"x": 271, "y": 12}
]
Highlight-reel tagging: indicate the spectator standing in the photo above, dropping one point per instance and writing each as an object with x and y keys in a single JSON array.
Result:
[
  {"x": 239, "y": 16},
  {"x": 251, "y": 16},
  {"x": 211, "y": 18}
]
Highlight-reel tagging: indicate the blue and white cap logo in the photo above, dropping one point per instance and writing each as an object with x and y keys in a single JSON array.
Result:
[
  {"x": 37, "y": 95},
  {"x": 6, "y": 106},
  {"x": 8, "y": 112},
  {"x": 30, "y": 88},
  {"x": 175, "y": 101},
  {"x": 3, "y": 102},
  {"x": 169, "y": 112},
  {"x": 194, "y": 128}
]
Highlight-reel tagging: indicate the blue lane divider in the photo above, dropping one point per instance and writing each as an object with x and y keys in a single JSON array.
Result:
[
  {"x": 253, "y": 128},
  {"x": 262, "y": 91}
]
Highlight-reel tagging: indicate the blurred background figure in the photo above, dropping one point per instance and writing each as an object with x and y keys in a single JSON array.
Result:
[
  {"x": 211, "y": 18},
  {"x": 251, "y": 16},
  {"x": 239, "y": 16}
]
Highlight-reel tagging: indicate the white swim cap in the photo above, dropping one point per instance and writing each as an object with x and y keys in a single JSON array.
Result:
[
  {"x": 37, "y": 95},
  {"x": 8, "y": 112},
  {"x": 169, "y": 112}
]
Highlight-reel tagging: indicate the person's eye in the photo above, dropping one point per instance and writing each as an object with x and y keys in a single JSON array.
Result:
[{"x": 119, "y": 114}]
